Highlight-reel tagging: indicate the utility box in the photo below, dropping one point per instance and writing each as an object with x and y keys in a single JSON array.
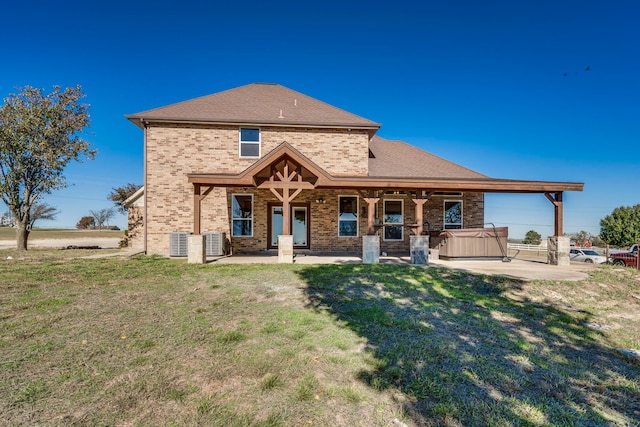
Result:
[
  {"x": 215, "y": 243},
  {"x": 178, "y": 243}
]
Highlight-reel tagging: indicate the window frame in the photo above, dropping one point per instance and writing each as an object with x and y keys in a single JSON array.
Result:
[
  {"x": 384, "y": 214},
  {"x": 444, "y": 215},
  {"x": 356, "y": 220},
  {"x": 241, "y": 143},
  {"x": 233, "y": 218}
]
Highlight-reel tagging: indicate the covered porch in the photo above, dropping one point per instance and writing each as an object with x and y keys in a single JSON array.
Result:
[{"x": 291, "y": 179}]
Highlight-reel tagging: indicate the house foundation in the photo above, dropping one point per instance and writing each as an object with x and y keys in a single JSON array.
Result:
[
  {"x": 419, "y": 250},
  {"x": 196, "y": 253},
  {"x": 371, "y": 249},
  {"x": 285, "y": 249}
]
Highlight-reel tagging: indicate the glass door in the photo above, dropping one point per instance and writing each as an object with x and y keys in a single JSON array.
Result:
[
  {"x": 276, "y": 224},
  {"x": 299, "y": 225}
]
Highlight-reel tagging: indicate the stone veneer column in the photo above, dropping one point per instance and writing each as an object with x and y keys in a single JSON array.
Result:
[
  {"x": 558, "y": 250},
  {"x": 371, "y": 249},
  {"x": 196, "y": 249},
  {"x": 285, "y": 249},
  {"x": 419, "y": 249}
]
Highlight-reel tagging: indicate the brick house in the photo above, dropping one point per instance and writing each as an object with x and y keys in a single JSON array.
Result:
[{"x": 262, "y": 161}]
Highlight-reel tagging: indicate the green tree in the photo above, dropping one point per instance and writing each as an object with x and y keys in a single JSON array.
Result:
[
  {"x": 120, "y": 194},
  {"x": 532, "y": 238},
  {"x": 86, "y": 222},
  {"x": 39, "y": 135},
  {"x": 622, "y": 226}
]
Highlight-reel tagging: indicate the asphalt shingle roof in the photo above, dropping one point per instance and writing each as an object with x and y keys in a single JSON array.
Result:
[
  {"x": 260, "y": 104},
  {"x": 399, "y": 159}
]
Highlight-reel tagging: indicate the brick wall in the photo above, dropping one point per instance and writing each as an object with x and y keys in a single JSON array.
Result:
[
  {"x": 135, "y": 230},
  {"x": 174, "y": 151},
  {"x": 324, "y": 220}
]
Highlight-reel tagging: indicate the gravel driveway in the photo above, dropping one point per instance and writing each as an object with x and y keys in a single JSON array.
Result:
[{"x": 102, "y": 242}]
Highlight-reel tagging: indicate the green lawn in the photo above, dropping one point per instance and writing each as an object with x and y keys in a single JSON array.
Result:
[{"x": 157, "y": 342}]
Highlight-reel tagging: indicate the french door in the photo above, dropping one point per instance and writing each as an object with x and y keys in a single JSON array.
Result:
[{"x": 299, "y": 225}]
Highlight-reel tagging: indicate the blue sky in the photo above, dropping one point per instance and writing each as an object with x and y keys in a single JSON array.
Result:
[{"x": 479, "y": 83}]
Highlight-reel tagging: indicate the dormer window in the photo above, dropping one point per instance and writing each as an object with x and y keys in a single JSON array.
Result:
[{"x": 249, "y": 143}]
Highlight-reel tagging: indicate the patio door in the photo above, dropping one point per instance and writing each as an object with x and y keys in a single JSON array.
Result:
[{"x": 299, "y": 225}]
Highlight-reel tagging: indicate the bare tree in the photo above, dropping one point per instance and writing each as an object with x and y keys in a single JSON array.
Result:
[
  {"x": 42, "y": 211},
  {"x": 103, "y": 215}
]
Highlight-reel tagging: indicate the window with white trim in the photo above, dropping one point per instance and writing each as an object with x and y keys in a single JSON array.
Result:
[
  {"x": 452, "y": 214},
  {"x": 242, "y": 215},
  {"x": 249, "y": 142},
  {"x": 347, "y": 216},
  {"x": 393, "y": 215}
]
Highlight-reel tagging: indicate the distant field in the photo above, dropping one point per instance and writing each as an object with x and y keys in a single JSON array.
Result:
[{"x": 9, "y": 233}]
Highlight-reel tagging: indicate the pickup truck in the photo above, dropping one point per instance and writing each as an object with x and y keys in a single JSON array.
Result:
[{"x": 628, "y": 259}]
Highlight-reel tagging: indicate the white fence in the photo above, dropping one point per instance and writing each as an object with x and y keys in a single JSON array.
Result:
[
  {"x": 523, "y": 247},
  {"x": 543, "y": 248}
]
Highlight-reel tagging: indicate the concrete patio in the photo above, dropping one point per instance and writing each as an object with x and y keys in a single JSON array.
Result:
[{"x": 521, "y": 269}]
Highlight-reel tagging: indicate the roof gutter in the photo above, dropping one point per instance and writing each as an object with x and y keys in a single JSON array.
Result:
[{"x": 372, "y": 129}]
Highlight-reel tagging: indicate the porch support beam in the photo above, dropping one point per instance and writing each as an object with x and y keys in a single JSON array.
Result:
[
  {"x": 556, "y": 199},
  {"x": 371, "y": 197},
  {"x": 198, "y": 196},
  {"x": 371, "y": 214},
  {"x": 419, "y": 201}
]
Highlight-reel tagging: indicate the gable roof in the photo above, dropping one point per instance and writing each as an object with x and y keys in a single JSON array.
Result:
[
  {"x": 257, "y": 104},
  {"x": 399, "y": 159}
]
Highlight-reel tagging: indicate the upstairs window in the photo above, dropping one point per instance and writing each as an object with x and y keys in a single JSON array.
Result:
[
  {"x": 393, "y": 215},
  {"x": 242, "y": 215},
  {"x": 348, "y": 216},
  {"x": 249, "y": 142},
  {"x": 452, "y": 214}
]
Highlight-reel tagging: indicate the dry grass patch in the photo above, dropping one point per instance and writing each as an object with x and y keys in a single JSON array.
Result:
[{"x": 153, "y": 341}]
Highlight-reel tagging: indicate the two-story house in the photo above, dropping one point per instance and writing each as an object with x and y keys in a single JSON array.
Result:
[{"x": 262, "y": 161}]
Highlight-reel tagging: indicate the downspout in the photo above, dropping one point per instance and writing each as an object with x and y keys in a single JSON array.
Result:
[{"x": 144, "y": 232}]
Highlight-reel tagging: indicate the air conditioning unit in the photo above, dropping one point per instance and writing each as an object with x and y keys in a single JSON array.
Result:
[
  {"x": 178, "y": 243},
  {"x": 215, "y": 243}
]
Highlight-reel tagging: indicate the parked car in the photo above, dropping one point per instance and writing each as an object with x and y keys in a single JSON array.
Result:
[
  {"x": 628, "y": 259},
  {"x": 587, "y": 255}
]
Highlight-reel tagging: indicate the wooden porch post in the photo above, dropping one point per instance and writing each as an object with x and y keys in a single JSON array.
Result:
[
  {"x": 197, "y": 201},
  {"x": 556, "y": 199},
  {"x": 286, "y": 183},
  {"x": 371, "y": 200},
  {"x": 286, "y": 229},
  {"x": 419, "y": 201},
  {"x": 371, "y": 214},
  {"x": 196, "y": 208}
]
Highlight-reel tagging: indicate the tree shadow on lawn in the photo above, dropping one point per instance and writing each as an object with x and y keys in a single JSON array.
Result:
[{"x": 455, "y": 350}]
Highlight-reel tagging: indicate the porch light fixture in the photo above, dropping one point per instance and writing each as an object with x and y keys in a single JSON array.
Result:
[{"x": 320, "y": 200}]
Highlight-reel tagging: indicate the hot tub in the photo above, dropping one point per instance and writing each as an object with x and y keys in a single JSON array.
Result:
[{"x": 473, "y": 243}]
